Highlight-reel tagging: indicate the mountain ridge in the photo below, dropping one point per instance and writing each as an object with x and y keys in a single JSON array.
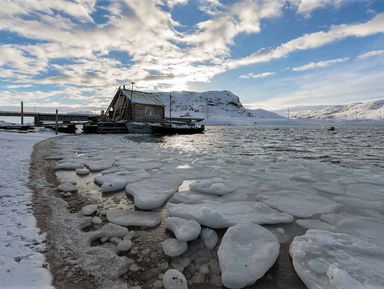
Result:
[
  {"x": 372, "y": 109},
  {"x": 210, "y": 104}
]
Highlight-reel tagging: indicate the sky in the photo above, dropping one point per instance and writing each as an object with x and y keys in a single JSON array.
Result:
[{"x": 273, "y": 54}]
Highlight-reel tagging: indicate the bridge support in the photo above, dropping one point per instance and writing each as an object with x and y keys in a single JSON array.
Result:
[{"x": 22, "y": 113}]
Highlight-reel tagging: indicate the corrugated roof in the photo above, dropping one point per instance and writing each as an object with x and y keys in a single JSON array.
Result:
[{"x": 142, "y": 97}]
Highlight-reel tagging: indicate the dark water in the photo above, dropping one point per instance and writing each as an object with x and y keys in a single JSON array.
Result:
[{"x": 356, "y": 147}]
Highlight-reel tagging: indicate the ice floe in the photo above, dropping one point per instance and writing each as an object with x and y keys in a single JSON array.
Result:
[
  {"x": 118, "y": 180},
  {"x": 187, "y": 197},
  {"x": 245, "y": 254},
  {"x": 366, "y": 191},
  {"x": 152, "y": 193},
  {"x": 99, "y": 165},
  {"x": 366, "y": 228},
  {"x": 174, "y": 279},
  {"x": 215, "y": 186},
  {"x": 299, "y": 204},
  {"x": 88, "y": 210},
  {"x": 184, "y": 230},
  {"x": 67, "y": 187},
  {"x": 173, "y": 247},
  {"x": 124, "y": 245},
  {"x": 82, "y": 171},
  {"x": 324, "y": 259},
  {"x": 209, "y": 238},
  {"x": 222, "y": 215},
  {"x": 109, "y": 231},
  {"x": 70, "y": 166},
  {"x": 316, "y": 224},
  {"x": 126, "y": 217}
]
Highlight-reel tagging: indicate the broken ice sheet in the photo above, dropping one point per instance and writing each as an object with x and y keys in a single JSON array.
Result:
[
  {"x": 222, "y": 215},
  {"x": 324, "y": 259},
  {"x": 298, "y": 204}
]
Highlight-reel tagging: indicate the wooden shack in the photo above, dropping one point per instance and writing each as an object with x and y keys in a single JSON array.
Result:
[{"x": 132, "y": 105}]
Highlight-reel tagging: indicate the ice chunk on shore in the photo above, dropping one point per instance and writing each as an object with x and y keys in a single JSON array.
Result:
[
  {"x": 70, "y": 166},
  {"x": 361, "y": 204},
  {"x": 125, "y": 217},
  {"x": 99, "y": 165},
  {"x": 215, "y": 186},
  {"x": 328, "y": 187},
  {"x": 187, "y": 197},
  {"x": 88, "y": 210},
  {"x": 109, "y": 231},
  {"x": 324, "y": 259},
  {"x": 368, "y": 229},
  {"x": 152, "y": 193},
  {"x": 174, "y": 279},
  {"x": 184, "y": 230},
  {"x": 366, "y": 191},
  {"x": 67, "y": 187},
  {"x": 209, "y": 238},
  {"x": 82, "y": 172},
  {"x": 117, "y": 181},
  {"x": 245, "y": 254},
  {"x": 299, "y": 204},
  {"x": 316, "y": 224},
  {"x": 124, "y": 245},
  {"x": 222, "y": 215},
  {"x": 173, "y": 247},
  {"x": 113, "y": 186}
]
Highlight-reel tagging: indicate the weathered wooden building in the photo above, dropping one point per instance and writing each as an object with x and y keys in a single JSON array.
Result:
[{"x": 135, "y": 106}]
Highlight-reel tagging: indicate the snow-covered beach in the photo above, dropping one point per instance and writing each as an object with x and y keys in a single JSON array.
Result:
[
  {"x": 22, "y": 245},
  {"x": 303, "y": 207}
]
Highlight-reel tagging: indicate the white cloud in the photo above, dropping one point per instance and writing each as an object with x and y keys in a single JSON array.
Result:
[
  {"x": 307, "y": 6},
  {"x": 371, "y": 54},
  {"x": 314, "y": 40},
  {"x": 213, "y": 38},
  {"x": 323, "y": 63},
  {"x": 257, "y": 75},
  {"x": 173, "y": 3}
]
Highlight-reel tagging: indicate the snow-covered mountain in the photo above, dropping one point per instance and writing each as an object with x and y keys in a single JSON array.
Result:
[
  {"x": 373, "y": 109},
  {"x": 210, "y": 104}
]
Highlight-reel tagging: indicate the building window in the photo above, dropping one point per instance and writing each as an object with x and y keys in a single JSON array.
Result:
[{"x": 149, "y": 111}]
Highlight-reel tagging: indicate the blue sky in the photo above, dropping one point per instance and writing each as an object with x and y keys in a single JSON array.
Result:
[{"x": 273, "y": 54}]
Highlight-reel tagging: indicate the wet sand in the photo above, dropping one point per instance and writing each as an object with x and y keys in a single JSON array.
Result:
[{"x": 68, "y": 272}]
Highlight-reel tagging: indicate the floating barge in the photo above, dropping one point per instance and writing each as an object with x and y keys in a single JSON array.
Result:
[{"x": 140, "y": 112}]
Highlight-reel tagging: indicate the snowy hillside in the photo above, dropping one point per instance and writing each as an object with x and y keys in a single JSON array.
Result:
[
  {"x": 262, "y": 113},
  {"x": 373, "y": 109},
  {"x": 210, "y": 104}
]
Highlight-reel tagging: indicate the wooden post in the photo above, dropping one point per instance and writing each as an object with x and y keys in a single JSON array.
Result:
[
  {"x": 57, "y": 121},
  {"x": 22, "y": 113},
  {"x": 170, "y": 105},
  {"x": 132, "y": 103}
]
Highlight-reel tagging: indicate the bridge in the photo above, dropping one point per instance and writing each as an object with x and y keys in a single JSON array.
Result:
[{"x": 41, "y": 117}]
